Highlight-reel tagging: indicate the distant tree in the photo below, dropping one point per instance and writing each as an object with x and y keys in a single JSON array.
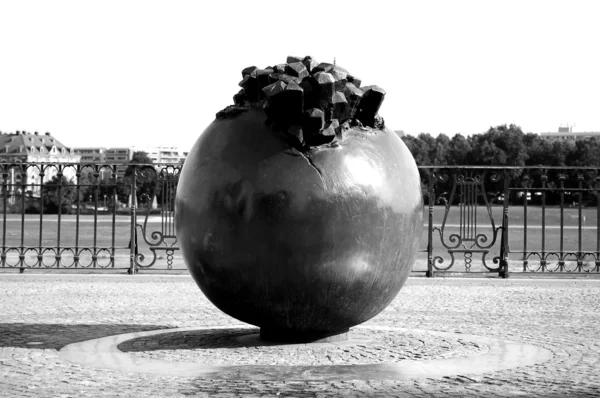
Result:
[
  {"x": 145, "y": 179},
  {"x": 86, "y": 184},
  {"x": 499, "y": 146},
  {"x": 91, "y": 186},
  {"x": 439, "y": 154},
  {"x": 459, "y": 149},
  {"x": 538, "y": 150},
  {"x": 428, "y": 148},
  {"x": 138, "y": 157},
  {"x": 561, "y": 152},
  {"x": 504, "y": 145},
  {"x": 413, "y": 145},
  {"x": 57, "y": 193},
  {"x": 585, "y": 153},
  {"x": 422, "y": 148}
]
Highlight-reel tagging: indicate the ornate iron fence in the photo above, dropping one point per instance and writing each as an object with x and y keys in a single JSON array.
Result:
[
  {"x": 475, "y": 231},
  {"x": 88, "y": 216},
  {"x": 161, "y": 196},
  {"x": 494, "y": 220},
  {"x": 526, "y": 220}
]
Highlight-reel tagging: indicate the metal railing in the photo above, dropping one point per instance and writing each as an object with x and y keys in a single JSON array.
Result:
[
  {"x": 494, "y": 220},
  {"x": 528, "y": 219},
  {"x": 88, "y": 216}
]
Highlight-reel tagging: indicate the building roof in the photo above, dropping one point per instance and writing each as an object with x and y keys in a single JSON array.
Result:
[
  {"x": 13, "y": 142},
  {"x": 571, "y": 135}
]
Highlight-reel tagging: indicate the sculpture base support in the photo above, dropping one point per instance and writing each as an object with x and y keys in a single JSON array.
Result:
[{"x": 282, "y": 335}]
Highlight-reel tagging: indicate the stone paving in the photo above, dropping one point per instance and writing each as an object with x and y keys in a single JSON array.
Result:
[
  {"x": 364, "y": 346},
  {"x": 39, "y": 314}
]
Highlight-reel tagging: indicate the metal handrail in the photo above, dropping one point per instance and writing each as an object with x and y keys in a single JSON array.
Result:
[{"x": 491, "y": 219}]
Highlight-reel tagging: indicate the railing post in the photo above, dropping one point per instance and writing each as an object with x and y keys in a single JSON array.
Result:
[
  {"x": 430, "y": 199},
  {"x": 133, "y": 234},
  {"x": 597, "y": 193},
  {"x": 4, "y": 213},
  {"x": 23, "y": 174},
  {"x": 504, "y": 247},
  {"x": 580, "y": 179}
]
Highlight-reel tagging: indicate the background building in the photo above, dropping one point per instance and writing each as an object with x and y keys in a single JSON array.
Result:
[
  {"x": 90, "y": 155},
  {"x": 567, "y": 133},
  {"x": 104, "y": 155},
  {"x": 118, "y": 155},
  {"x": 24, "y": 147},
  {"x": 164, "y": 154}
]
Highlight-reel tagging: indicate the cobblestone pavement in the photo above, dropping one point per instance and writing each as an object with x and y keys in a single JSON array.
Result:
[
  {"x": 41, "y": 313},
  {"x": 365, "y": 346}
]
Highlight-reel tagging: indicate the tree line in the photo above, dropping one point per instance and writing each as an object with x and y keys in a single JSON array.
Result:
[
  {"x": 509, "y": 146},
  {"x": 502, "y": 146}
]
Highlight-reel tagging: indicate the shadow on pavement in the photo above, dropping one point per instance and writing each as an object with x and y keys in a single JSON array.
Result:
[
  {"x": 197, "y": 339},
  {"x": 56, "y": 336}
]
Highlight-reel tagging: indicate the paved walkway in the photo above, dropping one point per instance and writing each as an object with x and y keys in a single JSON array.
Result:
[{"x": 41, "y": 313}]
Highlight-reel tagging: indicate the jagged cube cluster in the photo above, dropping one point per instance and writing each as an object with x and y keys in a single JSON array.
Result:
[{"x": 312, "y": 103}]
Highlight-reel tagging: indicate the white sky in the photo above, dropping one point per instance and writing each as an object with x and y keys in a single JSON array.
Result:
[{"x": 155, "y": 72}]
